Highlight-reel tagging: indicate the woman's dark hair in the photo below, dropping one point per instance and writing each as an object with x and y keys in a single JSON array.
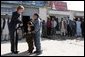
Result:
[{"x": 36, "y": 14}]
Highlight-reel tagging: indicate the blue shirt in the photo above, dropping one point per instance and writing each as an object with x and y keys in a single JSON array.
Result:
[{"x": 38, "y": 26}]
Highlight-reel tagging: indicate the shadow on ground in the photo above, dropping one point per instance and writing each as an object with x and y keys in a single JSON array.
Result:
[
  {"x": 63, "y": 38},
  {"x": 56, "y": 37},
  {"x": 25, "y": 53}
]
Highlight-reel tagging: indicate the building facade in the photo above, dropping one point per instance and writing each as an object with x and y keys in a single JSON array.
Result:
[
  {"x": 43, "y": 8},
  {"x": 7, "y": 7}
]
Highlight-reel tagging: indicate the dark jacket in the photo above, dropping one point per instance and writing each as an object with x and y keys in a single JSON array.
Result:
[
  {"x": 49, "y": 24},
  {"x": 14, "y": 21},
  {"x": 82, "y": 25}
]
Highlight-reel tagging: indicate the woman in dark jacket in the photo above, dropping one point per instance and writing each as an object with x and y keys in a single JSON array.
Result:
[{"x": 12, "y": 28}]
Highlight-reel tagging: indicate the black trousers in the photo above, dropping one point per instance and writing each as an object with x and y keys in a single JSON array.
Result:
[
  {"x": 83, "y": 32},
  {"x": 69, "y": 30},
  {"x": 1, "y": 31},
  {"x": 73, "y": 32},
  {"x": 13, "y": 40},
  {"x": 29, "y": 40},
  {"x": 48, "y": 31}
]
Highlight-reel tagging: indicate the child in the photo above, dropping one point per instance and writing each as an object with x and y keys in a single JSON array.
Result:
[{"x": 30, "y": 36}]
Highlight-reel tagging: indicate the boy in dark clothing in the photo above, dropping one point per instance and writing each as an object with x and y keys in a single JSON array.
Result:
[{"x": 30, "y": 36}]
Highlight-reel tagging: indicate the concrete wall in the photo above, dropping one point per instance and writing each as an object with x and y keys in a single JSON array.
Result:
[
  {"x": 43, "y": 13},
  {"x": 29, "y": 11},
  {"x": 79, "y": 14},
  {"x": 71, "y": 14}
]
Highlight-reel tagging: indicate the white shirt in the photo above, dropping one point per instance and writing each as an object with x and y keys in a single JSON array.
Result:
[
  {"x": 54, "y": 24},
  {"x": 20, "y": 17}
]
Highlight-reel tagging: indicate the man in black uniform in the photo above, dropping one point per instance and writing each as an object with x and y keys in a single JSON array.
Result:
[{"x": 12, "y": 28}]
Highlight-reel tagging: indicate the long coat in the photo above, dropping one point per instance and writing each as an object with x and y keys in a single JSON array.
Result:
[{"x": 14, "y": 21}]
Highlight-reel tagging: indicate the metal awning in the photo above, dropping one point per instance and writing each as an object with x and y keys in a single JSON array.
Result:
[
  {"x": 59, "y": 12},
  {"x": 75, "y": 13}
]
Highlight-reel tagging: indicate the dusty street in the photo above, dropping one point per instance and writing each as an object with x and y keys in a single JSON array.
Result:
[{"x": 50, "y": 48}]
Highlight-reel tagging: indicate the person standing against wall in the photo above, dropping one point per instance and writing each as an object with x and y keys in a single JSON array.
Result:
[
  {"x": 73, "y": 27},
  {"x": 44, "y": 29},
  {"x": 2, "y": 27},
  {"x": 78, "y": 28},
  {"x": 49, "y": 26},
  {"x": 5, "y": 30},
  {"x": 53, "y": 26},
  {"x": 82, "y": 26},
  {"x": 63, "y": 27},
  {"x": 69, "y": 27}
]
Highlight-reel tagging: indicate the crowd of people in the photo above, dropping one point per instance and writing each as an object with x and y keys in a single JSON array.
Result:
[{"x": 66, "y": 26}]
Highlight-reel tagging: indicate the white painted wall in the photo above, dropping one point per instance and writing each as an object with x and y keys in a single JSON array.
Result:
[
  {"x": 29, "y": 11},
  {"x": 79, "y": 14},
  {"x": 43, "y": 13},
  {"x": 59, "y": 12},
  {"x": 71, "y": 14}
]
